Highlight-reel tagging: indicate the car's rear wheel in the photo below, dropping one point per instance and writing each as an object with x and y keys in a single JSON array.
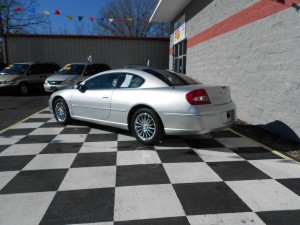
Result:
[
  {"x": 61, "y": 111},
  {"x": 146, "y": 126},
  {"x": 23, "y": 89}
]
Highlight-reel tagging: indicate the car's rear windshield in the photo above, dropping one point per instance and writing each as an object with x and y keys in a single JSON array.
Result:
[
  {"x": 172, "y": 79},
  {"x": 72, "y": 69},
  {"x": 15, "y": 69}
]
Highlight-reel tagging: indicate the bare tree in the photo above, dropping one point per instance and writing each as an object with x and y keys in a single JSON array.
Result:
[
  {"x": 18, "y": 16},
  {"x": 129, "y": 18}
]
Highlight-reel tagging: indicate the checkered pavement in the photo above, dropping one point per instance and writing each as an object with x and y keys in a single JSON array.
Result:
[{"x": 89, "y": 174}]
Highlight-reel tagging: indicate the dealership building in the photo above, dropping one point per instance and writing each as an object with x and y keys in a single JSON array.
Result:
[{"x": 253, "y": 46}]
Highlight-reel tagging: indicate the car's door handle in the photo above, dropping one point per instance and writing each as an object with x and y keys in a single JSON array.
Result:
[{"x": 105, "y": 97}]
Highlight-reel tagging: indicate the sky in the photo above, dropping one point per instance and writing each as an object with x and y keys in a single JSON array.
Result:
[{"x": 75, "y": 8}]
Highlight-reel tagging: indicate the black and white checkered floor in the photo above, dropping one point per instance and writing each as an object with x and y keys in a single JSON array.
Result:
[{"x": 81, "y": 174}]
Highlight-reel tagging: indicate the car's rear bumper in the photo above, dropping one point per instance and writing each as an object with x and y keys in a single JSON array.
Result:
[{"x": 191, "y": 124}]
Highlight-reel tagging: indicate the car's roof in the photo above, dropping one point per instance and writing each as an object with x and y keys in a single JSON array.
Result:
[
  {"x": 87, "y": 63},
  {"x": 31, "y": 63}
]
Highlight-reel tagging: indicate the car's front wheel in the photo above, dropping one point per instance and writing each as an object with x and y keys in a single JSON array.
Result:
[
  {"x": 61, "y": 111},
  {"x": 146, "y": 126}
]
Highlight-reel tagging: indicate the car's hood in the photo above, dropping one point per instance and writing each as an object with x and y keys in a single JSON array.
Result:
[
  {"x": 61, "y": 77},
  {"x": 8, "y": 77}
]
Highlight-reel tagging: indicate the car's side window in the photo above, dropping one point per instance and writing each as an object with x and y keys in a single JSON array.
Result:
[
  {"x": 107, "y": 81},
  {"x": 35, "y": 70},
  {"x": 130, "y": 81}
]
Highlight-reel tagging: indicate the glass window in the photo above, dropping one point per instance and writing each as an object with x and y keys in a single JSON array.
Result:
[
  {"x": 179, "y": 57},
  {"x": 107, "y": 81},
  {"x": 36, "y": 69},
  {"x": 72, "y": 69},
  {"x": 130, "y": 81},
  {"x": 15, "y": 69}
]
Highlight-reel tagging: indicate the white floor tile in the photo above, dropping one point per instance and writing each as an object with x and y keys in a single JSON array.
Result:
[
  {"x": 10, "y": 140},
  {"x": 122, "y": 137},
  {"x": 23, "y": 149},
  {"x": 47, "y": 131},
  {"x": 28, "y": 125},
  {"x": 190, "y": 173},
  {"x": 42, "y": 115},
  {"x": 145, "y": 202},
  {"x": 278, "y": 168},
  {"x": 69, "y": 138},
  {"x": 50, "y": 161},
  {"x": 24, "y": 209},
  {"x": 89, "y": 177},
  {"x": 227, "y": 219},
  {"x": 218, "y": 155},
  {"x": 5, "y": 177},
  {"x": 137, "y": 157},
  {"x": 265, "y": 195},
  {"x": 105, "y": 146}
]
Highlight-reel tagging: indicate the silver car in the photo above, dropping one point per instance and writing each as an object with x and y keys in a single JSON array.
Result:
[
  {"x": 71, "y": 74},
  {"x": 149, "y": 102}
]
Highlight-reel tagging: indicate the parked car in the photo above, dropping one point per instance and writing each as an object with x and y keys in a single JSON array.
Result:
[
  {"x": 22, "y": 77},
  {"x": 71, "y": 74},
  {"x": 149, "y": 102}
]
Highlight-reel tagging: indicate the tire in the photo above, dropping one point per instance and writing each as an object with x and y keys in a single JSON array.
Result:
[
  {"x": 23, "y": 89},
  {"x": 61, "y": 111},
  {"x": 146, "y": 126}
]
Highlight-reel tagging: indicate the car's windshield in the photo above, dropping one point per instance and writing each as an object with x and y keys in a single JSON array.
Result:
[
  {"x": 71, "y": 69},
  {"x": 15, "y": 69}
]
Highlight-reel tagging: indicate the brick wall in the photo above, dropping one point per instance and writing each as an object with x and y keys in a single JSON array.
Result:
[{"x": 259, "y": 60}]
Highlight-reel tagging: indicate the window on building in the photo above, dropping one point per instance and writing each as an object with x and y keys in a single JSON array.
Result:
[{"x": 179, "y": 57}]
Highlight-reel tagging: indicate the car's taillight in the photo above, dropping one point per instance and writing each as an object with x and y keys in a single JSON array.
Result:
[{"x": 198, "y": 97}]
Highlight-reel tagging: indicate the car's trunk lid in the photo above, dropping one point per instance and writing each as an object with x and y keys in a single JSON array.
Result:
[{"x": 218, "y": 95}]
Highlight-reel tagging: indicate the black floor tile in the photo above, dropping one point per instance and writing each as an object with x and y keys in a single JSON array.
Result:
[
  {"x": 51, "y": 125},
  {"x": 204, "y": 143},
  {"x": 95, "y": 159},
  {"x": 62, "y": 148},
  {"x": 159, "y": 221},
  {"x": 31, "y": 139},
  {"x": 81, "y": 206},
  {"x": 291, "y": 217},
  {"x": 12, "y": 163},
  {"x": 240, "y": 170},
  {"x": 178, "y": 155},
  {"x": 292, "y": 184},
  {"x": 13, "y": 132},
  {"x": 133, "y": 145},
  {"x": 141, "y": 175},
  {"x": 101, "y": 137},
  {"x": 35, "y": 181},
  {"x": 255, "y": 153},
  {"x": 76, "y": 130},
  {"x": 209, "y": 198},
  {"x": 224, "y": 134},
  {"x": 3, "y": 147},
  {"x": 35, "y": 120}
]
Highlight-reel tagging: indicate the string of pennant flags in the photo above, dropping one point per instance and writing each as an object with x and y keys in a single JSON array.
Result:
[{"x": 71, "y": 17}]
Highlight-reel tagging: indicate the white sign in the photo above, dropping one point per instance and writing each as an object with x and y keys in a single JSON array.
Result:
[
  {"x": 179, "y": 30},
  {"x": 179, "y": 34}
]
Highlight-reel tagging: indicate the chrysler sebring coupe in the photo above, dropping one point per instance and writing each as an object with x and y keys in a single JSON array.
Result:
[{"x": 149, "y": 102}]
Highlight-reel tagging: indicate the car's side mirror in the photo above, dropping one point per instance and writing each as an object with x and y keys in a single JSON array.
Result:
[{"x": 81, "y": 87}]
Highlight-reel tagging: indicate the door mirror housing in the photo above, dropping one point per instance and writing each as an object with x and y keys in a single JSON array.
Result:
[{"x": 81, "y": 87}]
